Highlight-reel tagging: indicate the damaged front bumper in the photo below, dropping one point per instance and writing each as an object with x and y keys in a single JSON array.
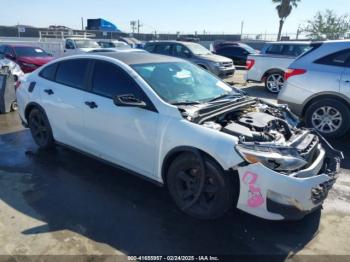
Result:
[{"x": 271, "y": 195}]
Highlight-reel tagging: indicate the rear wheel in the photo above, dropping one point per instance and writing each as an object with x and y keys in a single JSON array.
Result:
[
  {"x": 14, "y": 106},
  {"x": 274, "y": 82},
  {"x": 203, "y": 194},
  {"x": 329, "y": 116},
  {"x": 40, "y": 128}
]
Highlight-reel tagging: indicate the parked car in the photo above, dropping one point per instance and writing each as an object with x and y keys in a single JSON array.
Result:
[
  {"x": 78, "y": 45},
  {"x": 196, "y": 53},
  {"x": 271, "y": 63},
  {"x": 117, "y": 50},
  {"x": 238, "y": 52},
  {"x": 113, "y": 44},
  {"x": 28, "y": 58},
  {"x": 318, "y": 87},
  {"x": 180, "y": 126}
]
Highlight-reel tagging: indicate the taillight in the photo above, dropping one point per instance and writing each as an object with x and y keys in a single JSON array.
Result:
[
  {"x": 293, "y": 72},
  {"x": 17, "y": 85},
  {"x": 250, "y": 63}
]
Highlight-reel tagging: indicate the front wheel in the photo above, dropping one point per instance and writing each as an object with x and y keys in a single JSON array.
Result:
[
  {"x": 274, "y": 82},
  {"x": 40, "y": 128},
  {"x": 203, "y": 194},
  {"x": 330, "y": 117}
]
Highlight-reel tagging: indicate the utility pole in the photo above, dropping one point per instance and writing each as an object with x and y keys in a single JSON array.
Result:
[
  {"x": 133, "y": 26},
  {"x": 242, "y": 25},
  {"x": 82, "y": 23},
  {"x": 138, "y": 27}
]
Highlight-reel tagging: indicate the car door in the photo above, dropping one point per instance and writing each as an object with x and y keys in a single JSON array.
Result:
[
  {"x": 63, "y": 96},
  {"x": 329, "y": 73},
  {"x": 124, "y": 135},
  {"x": 345, "y": 77}
]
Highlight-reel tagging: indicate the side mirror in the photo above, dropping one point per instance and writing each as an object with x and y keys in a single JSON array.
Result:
[{"x": 129, "y": 100}]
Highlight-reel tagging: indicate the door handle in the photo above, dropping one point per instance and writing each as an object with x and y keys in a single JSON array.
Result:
[
  {"x": 91, "y": 104},
  {"x": 49, "y": 91}
]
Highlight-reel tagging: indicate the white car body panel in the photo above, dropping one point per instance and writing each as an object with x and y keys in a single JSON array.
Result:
[
  {"x": 140, "y": 140},
  {"x": 265, "y": 63}
]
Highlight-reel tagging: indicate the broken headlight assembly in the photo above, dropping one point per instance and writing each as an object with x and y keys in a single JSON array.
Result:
[{"x": 274, "y": 157}]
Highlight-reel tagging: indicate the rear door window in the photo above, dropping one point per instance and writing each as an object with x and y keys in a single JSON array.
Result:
[
  {"x": 341, "y": 58},
  {"x": 295, "y": 50},
  {"x": 73, "y": 73},
  {"x": 163, "y": 49},
  {"x": 49, "y": 72},
  {"x": 274, "y": 49}
]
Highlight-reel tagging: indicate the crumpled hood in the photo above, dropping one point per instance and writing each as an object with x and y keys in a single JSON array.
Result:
[
  {"x": 216, "y": 58},
  {"x": 35, "y": 60}
]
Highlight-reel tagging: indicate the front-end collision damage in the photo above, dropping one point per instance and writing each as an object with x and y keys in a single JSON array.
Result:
[
  {"x": 287, "y": 169},
  {"x": 289, "y": 195}
]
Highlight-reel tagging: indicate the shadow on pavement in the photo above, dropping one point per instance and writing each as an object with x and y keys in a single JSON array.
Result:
[{"x": 74, "y": 192}]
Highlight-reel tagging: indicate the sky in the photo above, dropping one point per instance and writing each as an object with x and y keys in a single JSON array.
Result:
[{"x": 165, "y": 16}]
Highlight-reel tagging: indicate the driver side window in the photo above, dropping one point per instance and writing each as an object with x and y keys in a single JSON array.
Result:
[
  {"x": 181, "y": 51},
  {"x": 69, "y": 44},
  {"x": 109, "y": 80}
]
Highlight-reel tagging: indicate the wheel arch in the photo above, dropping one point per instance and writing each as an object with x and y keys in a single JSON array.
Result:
[
  {"x": 30, "y": 107},
  {"x": 324, "y": 96},
  {"x": 175, "y": 152},
  {"x": 270, "y": 71}
]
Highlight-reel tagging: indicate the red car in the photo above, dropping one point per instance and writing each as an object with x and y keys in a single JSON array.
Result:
[{"x": 28, "y": 58}]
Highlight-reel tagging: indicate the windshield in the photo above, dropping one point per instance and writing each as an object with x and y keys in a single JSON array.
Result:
[
  {"x": 249, "y": 48},
  {"x": 86, "y": 44},
  {"x": 120, "y": 44},
  {"x": 198, "y": 49},
  {"x": 182, "y": 82},
  {"x": 30, "y": 51}
]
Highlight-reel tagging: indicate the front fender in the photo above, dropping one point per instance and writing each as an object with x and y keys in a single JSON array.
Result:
[{"x": 177, "y": 134}]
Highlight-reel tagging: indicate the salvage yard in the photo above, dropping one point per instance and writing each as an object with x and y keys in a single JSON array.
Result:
[{"x": 63, "y": 203}]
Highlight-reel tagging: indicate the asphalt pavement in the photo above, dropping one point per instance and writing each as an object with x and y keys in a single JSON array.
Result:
[{"x": 61, "y": 202}]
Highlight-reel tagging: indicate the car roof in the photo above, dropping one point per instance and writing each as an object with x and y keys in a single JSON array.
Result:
[
  {"x": 290, "y": 43},
  {"x": 19, "y": 45},
  {"x": 136, "y": 58}
]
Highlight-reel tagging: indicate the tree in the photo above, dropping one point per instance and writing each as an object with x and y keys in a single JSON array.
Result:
[
  {"x": 327, "y": 25},
  {"x": 284, "y": 9}
]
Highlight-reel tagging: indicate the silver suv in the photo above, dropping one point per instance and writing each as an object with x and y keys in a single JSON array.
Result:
[
  {"x": 318, "y": 87},
  {"x": 195, "y": 53}
]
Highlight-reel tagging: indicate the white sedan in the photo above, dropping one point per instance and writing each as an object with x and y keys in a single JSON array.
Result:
[{"x": 178, "y": 125}]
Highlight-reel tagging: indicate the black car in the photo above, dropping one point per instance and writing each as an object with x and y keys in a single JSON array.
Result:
[{"x": 238, "y": 52}]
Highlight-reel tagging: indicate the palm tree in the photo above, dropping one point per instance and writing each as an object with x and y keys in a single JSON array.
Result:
[{"x": 284, "y": 8}]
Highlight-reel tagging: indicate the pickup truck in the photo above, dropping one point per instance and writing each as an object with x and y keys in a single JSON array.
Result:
[{"x": 269, "y": 65}]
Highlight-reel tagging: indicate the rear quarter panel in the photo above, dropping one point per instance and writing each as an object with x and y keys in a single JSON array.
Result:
[{"x": 264, "y": 63}]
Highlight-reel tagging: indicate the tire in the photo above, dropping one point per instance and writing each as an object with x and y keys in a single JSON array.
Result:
[
  {"x": 14, "y": 106},
  {"x": 328, "y": 116},
  {"x": 40, "y": 129},
  {"x": 274, "y": 82},
  {"x": 183, "y": 181}
]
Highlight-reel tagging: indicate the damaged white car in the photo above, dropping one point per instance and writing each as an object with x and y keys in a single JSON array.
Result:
[{"x": 178, "y": 125}]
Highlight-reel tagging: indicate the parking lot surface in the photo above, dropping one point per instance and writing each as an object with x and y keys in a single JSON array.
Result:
[{"x": 61, "y": 202}]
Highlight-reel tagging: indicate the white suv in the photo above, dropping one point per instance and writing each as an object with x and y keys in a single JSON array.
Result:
[
  {"x": 176, "y": 124},
  {"x": 317, "y": 87}
]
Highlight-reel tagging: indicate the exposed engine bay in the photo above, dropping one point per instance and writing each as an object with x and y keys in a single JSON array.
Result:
[{"x": 267, "y": 133}]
